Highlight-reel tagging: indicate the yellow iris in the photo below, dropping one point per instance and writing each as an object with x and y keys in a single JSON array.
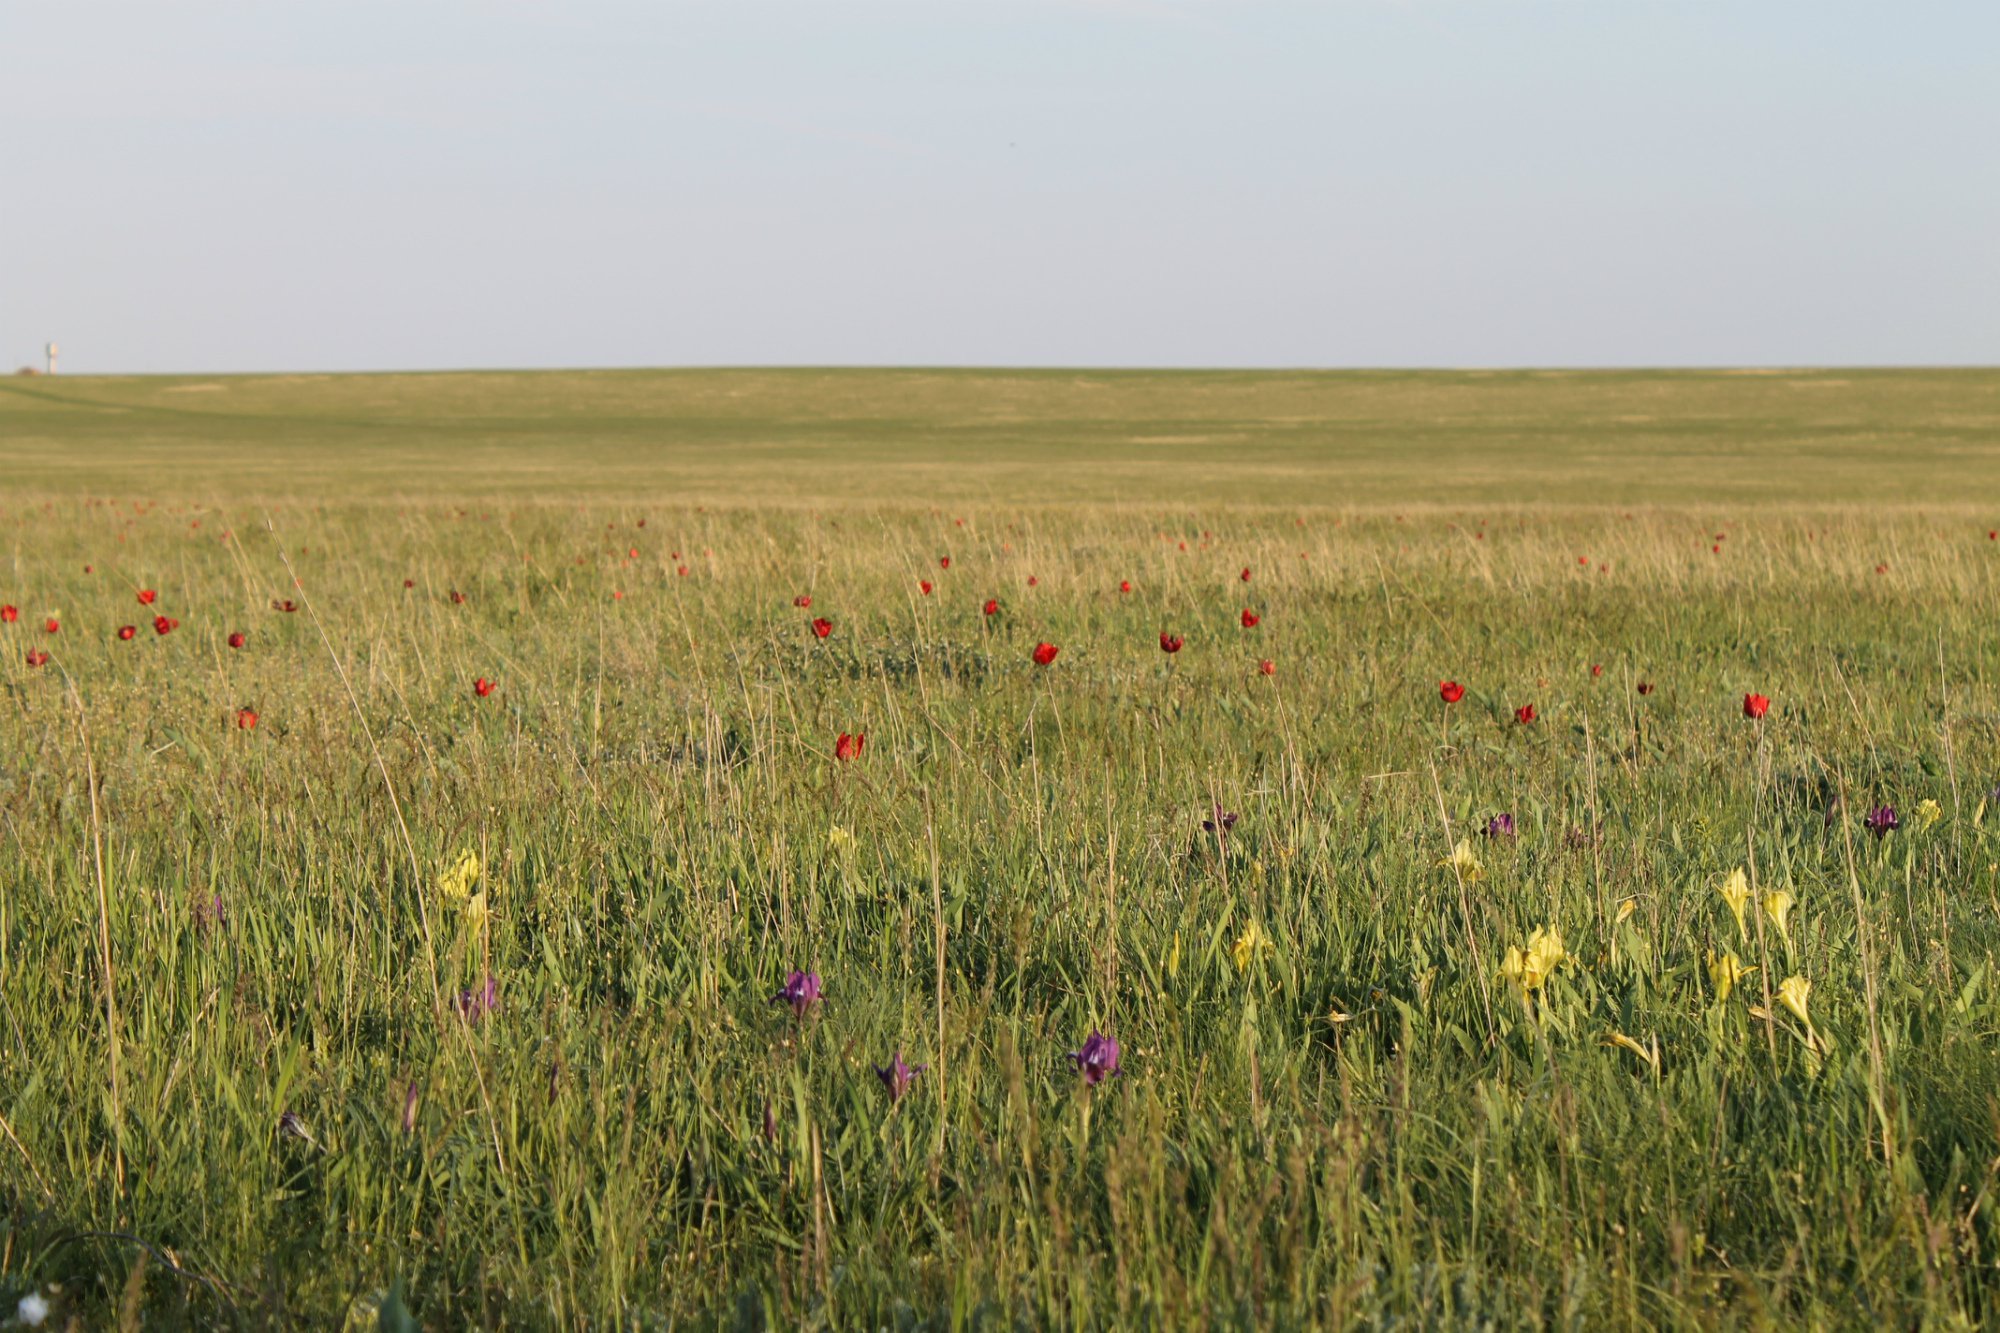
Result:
[
  {"x": 1724, "y": 971},
  {"x": 1792, "y": 993},
  {"x": 1249, "y": 944},
  {"x": 1531, "y": 967},
  {"x": 1465, "y": 861},
  {"x": 838, "y": 837},
  {"x": 456, "y": 883},
  {"x": 1929, "y": 812},
  {"x": 1735, "y": 891},
  {"x": 1778, "y": 910}
]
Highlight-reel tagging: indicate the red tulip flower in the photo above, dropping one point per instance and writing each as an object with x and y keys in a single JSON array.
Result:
[
  {"x": 1645, "y": 687},
  {"x": 1450, "y": 691},
  {"x": 146, "y": 596},
  {"x": 10, "y": 614},
  {"x": 409, "y": 583},
  {"x": 992, "y": 607},
  {"x": 1045, "y": 653},
  {"x": 802, "y": 601},
  {"x": 52, "y": 625},
  {"x": 846, "y": 747},
  {"x": 482, "y": 687},
  {"x": 924, "y": 587},
  {"x": 1755, "y": 706},
  {"x": 236, "y": 639},
  {"x": 164, "y": 625},
  {"x": 128, "y": 632},
  {"x": 1033, "y": 581},
  {"x": 681, "y": 570},
  {"x": 1170, "y": 643},
  {"x": 1245, "y": 576},
  {"x": 1268, "y": 667},
  {"x": 822, "y": 627},
  {"x": 944, "y": 562},
  {"x": 1596, "y": 669},
  {"x": 1251, "y": 619},
  {"x": 1124, "y": 585},
  {"x": 246, "y": 718},
  {"x": 36, "y": 657},
  {"x": 1525, "y": 714},
  {"x": 288, "y": 606},
  {"x": 457, "y": 597}
]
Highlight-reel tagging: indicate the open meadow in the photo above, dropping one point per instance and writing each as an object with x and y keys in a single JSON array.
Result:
[{"x": 1532, "y": 838}]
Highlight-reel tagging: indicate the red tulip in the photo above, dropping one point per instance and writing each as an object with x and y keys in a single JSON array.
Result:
[
  {"x": 128, "y": 632},
  {"x": 1645, "y": 687},
  {"x": 992, "y": 607},
  {"x": 1245, "y": 576},
  {"x": 1525, "y": 714},
  {"x": 1170, "y": 643},
  {"x": 802, "y": 601},
  {"x": 681, "y": 570},
  {"x": 944, "y": 562},
  {"x": 1993, "y": 534},
  {"x": 236, "y": 639},
  {"x": 457, "y": 597},
  {"x": 1251, "y": 619},
  {"x": 1124, "y": 585},
  {"x": 146, "y": 596},
  {"x": 632, "y": 554},
  {"x": 1045, "y": 653},
  {"x": 246, "y": 718},
  {"x": 52, "y": 625},
  {"x": 1755, "y": 706},
  {"x": 288, "y": 605},
  {"x": 482, "y": 687},
  {"x": 822, "y": 627},
  {"x": 409, "y": 583},
  {"x": 1268, "y": 667},
  {"x": 924, "y": 587},
  {"x": 36, "y": 657},
  {"x": 1450, "y": 691},
  {"x": 164, "y": 625},
  {"x": 1596, "y": 668},
  {"x": 847, "y": 747},
  {"x": 10, "y": 614},
  {"x": 1033, "y": 581}
]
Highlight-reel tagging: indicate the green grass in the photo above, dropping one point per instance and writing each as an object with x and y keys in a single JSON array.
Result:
[{"x": 638, "y": 1136}]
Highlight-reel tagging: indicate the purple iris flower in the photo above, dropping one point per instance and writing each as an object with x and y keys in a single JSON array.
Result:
[
  {"x": 1882, "y": 821},
  {"x": 473, "y": 1005},
  {"x": 1098, "y": 1060},
  {"x": 801, "y": 991},
  {"x": 209, "y": 914},
  {"x": 1500, "y": 826},
  {"x": 898, "y": 1077},
  {"x": 1221, "y": 820}
]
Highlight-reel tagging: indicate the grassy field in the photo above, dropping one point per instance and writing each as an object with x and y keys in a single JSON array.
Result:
[{"x": 270, "y": 1057}]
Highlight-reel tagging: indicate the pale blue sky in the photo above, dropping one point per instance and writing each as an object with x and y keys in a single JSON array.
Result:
[{"x": 301, "y": 185}]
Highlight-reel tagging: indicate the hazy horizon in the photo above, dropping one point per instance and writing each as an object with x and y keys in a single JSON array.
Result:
[{"x": 218, "y": 188}]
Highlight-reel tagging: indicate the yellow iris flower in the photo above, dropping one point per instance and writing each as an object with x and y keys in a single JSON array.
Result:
[
  {"x": 1465, "y": 861},
  {"x": 1724, "y": 971},
  {"x": 1735, "y": 891},
  {"x": 1249, "y": 944},
  {"x": 456, "y": 883},
  {"x": 1778, "y": 910},
  {"x": 1531, "y": 967}
]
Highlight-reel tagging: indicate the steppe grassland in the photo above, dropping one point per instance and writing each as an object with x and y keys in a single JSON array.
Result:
[{"x": 1339, "y": 1103}]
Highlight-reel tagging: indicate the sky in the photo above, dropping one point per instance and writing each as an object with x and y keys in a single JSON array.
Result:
[{"x": 430, "y": 184}]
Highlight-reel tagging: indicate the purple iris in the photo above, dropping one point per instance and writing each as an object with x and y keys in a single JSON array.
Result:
[
  {"x": 1500, "y": 826},
  {"x": 897, "y": 1077},
  {"x": 209, "y": 914},
  {"x": 1882, "y": 821},
  {"x": 473, "y": 1005},
  {"x": 1098, "y": 1060},
  {"x": 801, "y": 991},
  {"x": 1220, "y": 821}
]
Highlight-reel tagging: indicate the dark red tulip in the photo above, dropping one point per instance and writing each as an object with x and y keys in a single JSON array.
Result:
[
  {"x": 288, "y": 606},
  {"x": 1268, "y": 667},
  {"x": 822, "y": 627},
  {"x": 1124, "y": 585},
  {"x": 128, "y": 632},
  {"x": 482, "y": 687},
  {"x": 847, "y": 747},
  {"x": 1525, "y": 714},
  {"x": 36, "y": 657},
  {"x": 681, "y": 571},
  {"x": 1645, "y": 687},
  {"x": 1245, "y": 576},
  {"x": 924, "y": 587},
  {"x": 52, "y": 625},
  {"x": 802, "y": 600},
  {"x": 992, "y": 607},
  {"x": 246, "y": 718},
  {"x": 409, "y": 583},
  {"x": 1045, "y": 653},
  {"x": 236, "y": 639},
  {"x": 1755, "y": 706},
  {"x": 1170, "y": 643},
  {"x": 1033, "y": 581},
  {"x": 164, "y": 625},
  {"x": 1450, "y": 691},
  {"x": 10, "y": 614},
  {"x": 457, "y": 597},
  {"x": 944, "y": 562},
  {"x": 1251, "y": 619},
  {"x": 1596, "y": 668},
  {"x": 146, "y": 596}
]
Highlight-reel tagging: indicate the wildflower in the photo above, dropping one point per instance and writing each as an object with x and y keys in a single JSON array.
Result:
[
  {"x": 128, "y": 632},
  {"x": 822, "y": 627},
  {"x": 1531, "y": 967},
  {"x": 802, "y": 601},
  {"x": 897, "y": 1077},
  {"x": 1465, "y": 862},
  {"x": 1450, "y": 691},
  {"x": 800, "y": 991},
  {"x": 1645, "y": 687},
  {"x": 1735, "y": 890},
  {"x": 1596, "y": 669},
  {"x": 1778, "y": 911},
  {"x": 246, "y": 718},
  {"x": 475, "y": 912},
  {"x": 839, "y": 838},
  {"x": 410, "y": 1103},
  {"x": 924, "y": 587},
  {"x": 236, "y": 639},
  {"x": 482, "y": 687},
  {"x": 1724, "y": 971},
  {"x": 1033, "y": 582},
  {"x": 846, "y": 747},
  {"x": 164, "y": 625},
  {"x": 9, "y": 613},
  {"x": 473, "y": 1005},
  {"x": 1045, "y": 653},
  {"x": 992, "y": 607},
  {"x": 456, "y": 883},
  {"x": 52, "y": 625},
  {"x": 1245, "y": 576},
  {"x": 1124, "y": 585},
  {"x": 1268, "y": 667},
  {"x": 1792, "y": 993},
  {"x": 1929, "y": 812},
  {"x": 1097, "y": 1059},
  {"x": 288, "y": 605},
  {"x": 146, "y": 596},
  {"x": 1500, "y": 826},
  {"x": 944, "y": 562},
  {"x": 1616, "y": 1038},
  {"x": 1755, "y": 706},
  {"x": 1525, "y": 714},
  {"x": 1170, "y": 643},
  {"x": 32, "y": 1309},
  {"x": 36, "y": 657},
  {"x": 1220, "y": 820},
  {"x": 1251, "y": 619},
  {"x": 457, "y": 597},
  {"x": 1626, "y": 906},
  {"x": 1252, "y": 942},
  {"x": 1882, "y": 821}
]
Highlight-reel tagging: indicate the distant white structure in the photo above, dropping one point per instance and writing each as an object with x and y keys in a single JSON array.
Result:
[{"x": 53, "y": 352}]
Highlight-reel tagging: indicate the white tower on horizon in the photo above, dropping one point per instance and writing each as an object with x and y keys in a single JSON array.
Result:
[{"x": 52, "y": 352}]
